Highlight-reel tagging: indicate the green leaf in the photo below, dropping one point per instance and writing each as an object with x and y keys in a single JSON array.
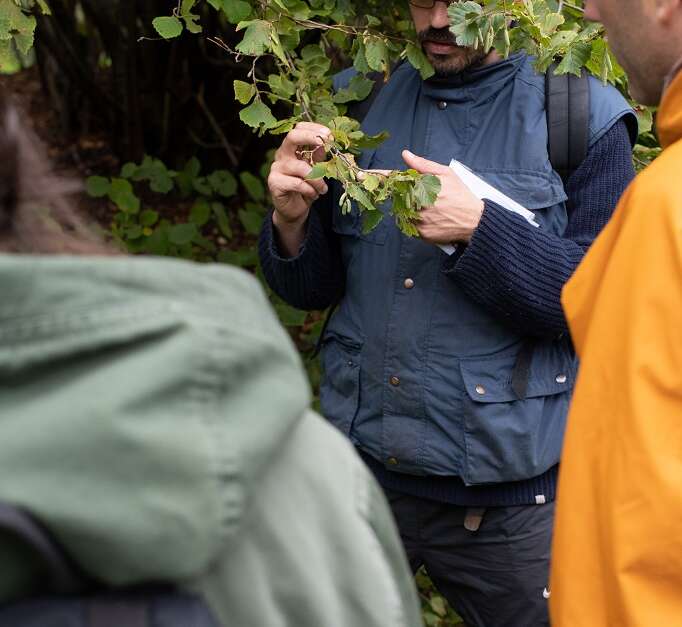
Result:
[
  {"x": 358, "y": 89},
  {"x": 222, "y": 219},
  {"x": 236, "y": 10},
  {"x": 371, "y": 182},
  {"x": 370, "y": 220},
  {"x": 200, "y": 213},
  {"x": 576, "y": 57},
  {"x": 376, "y": 53},
  {"x": 122, "y": 195},
  {"x": 223, "y": 183},
  {"x": 319, "y": 171},
  {"x": 418, "y": 60},
  {"x": 243, "y": 92},
  {"x": 256, "y": 40},
  {"x": 258, "y": 115},
  {"x": 289, "y": 316},
  {"x": 97, "y": 186},
  {"x": 254, "y": 186},
  {"x": 128, "y": 170},
  {"x": 251, "y": 221},
  {"x": 168, "y": 27},
  {"x": 149, "y": 217},
  {"x": 181, "y": 234},
  {"x": 244, "y": 258}
]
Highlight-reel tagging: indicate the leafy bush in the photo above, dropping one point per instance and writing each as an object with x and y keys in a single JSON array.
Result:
[{"x": 209, "y": 86}]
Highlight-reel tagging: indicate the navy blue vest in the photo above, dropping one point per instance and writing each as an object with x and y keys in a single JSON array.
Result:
[{"x": 416, "y": 373}]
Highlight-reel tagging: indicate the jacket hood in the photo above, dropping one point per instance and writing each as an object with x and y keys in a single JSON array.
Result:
[
  {"x": 669, "y": 120},
  {"x": 141, "y": 401}
]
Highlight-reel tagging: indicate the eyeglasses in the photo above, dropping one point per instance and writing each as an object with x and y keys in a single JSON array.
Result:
[{"x": 428, "y": 4}]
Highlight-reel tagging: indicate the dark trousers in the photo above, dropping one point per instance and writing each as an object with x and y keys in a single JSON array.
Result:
[{"x": 496, "y": 576}]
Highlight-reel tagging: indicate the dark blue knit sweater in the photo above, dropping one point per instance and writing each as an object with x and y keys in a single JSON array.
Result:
[{"x": 514, "y": 272}]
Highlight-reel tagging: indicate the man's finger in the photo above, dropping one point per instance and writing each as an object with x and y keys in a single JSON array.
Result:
[
  {"x": 363, "y": 174},
  {"x": 303, "y": 137},
  {"x": 424, "y": 166},
  {"x": 299, "y": 169},
  {"x": 282, "y": 184}
]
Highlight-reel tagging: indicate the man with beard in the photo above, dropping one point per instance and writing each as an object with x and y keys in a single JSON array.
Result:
[
  {"x": 452, "y": 373},
  {"x": 618, "y": 544}
]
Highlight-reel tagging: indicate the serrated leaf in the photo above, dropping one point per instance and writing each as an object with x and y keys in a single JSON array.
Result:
[
  {"x": 235, "y": 10},
  {"x": 358, "y": 194},
  {"x": 370, "y": 220},
  {"x": 576, "y": 57},
  {"x": 256, "y": 40},
  {"x": 418, "y": 60},
  {"x": 371, "y": 182},
  {"x": 319, "y": 171},
  {"x": 243, "y": 92},
  {"x": 258, "y": 115}
]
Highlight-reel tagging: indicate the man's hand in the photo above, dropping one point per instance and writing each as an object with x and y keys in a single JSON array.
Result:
[
  {"x": 292, "y": 195},
  {"x": 455, "y": 214}
]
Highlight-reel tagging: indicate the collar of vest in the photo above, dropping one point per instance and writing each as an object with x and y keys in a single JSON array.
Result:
[{"x": 472, "y": 81}]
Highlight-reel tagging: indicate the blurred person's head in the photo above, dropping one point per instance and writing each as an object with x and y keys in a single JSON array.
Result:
[
  {"x": 645, "y": 36},
  {"x": 34, "y": 215},
  {"x": 432, "y": 23}
]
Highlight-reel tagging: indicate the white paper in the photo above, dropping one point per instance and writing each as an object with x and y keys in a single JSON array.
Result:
[{"x": 482, "y": 190}]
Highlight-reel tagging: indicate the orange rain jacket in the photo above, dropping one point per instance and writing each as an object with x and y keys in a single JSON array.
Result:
[{"x": 617, "y": 558}]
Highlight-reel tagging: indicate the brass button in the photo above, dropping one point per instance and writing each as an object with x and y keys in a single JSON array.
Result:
[
  {"x": 480, "y": 390},
  {"x": 561, "y": 378},
  {"x": 392, "y": 461},
  {"x": 409, "y": 284},
  {"x": 395, "y": 382},
  {"x": 442, "y": 105}
]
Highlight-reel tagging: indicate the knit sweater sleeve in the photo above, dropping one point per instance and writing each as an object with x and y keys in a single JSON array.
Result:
[
  {"x": 314, "y": 278},
  {"x": 517, "y": 271}
]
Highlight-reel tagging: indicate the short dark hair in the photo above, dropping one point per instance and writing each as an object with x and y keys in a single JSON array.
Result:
[{"x": 35, "y": 216}]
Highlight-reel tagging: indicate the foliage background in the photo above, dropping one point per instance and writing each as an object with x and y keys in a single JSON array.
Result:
[{"x": 191, "y": 97}]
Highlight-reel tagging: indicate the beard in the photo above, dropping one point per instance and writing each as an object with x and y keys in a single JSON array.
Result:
[{"x": 461, "y": 58}]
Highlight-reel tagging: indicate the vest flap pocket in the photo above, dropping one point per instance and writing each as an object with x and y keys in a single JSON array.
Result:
[
  {"x": 532, "y": 189},
  {"x": 511, "y": 439},
  {"x": 490, "y": 380},
  {"x": 340, "y": 389}
]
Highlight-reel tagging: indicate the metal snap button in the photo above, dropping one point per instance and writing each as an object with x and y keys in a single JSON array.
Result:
[
  {"x": 395, "y": 382},
  {"x": 480, "y": 390},
  {"x": 392, "y": 461},
  {"x": 561, "y": 378},
  {"x": 442, "y": 105},
  {"x": 409, "y": 284}
]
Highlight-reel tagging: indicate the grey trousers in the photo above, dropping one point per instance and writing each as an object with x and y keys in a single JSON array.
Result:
[{"x": 495, "y": 576}]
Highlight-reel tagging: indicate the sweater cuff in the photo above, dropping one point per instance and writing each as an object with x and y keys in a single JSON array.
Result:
[
  {"x": 274, "y": 247},
  {"x": 486, "y": 242}
]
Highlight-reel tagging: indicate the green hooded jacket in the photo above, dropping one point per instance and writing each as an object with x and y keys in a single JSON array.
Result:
[{"x": 154, "y": 416}]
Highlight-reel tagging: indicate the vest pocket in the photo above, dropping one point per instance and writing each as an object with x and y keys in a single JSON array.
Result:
[
  {"x": 511, "y": 439},
  {"x": 340, "y": 389}
]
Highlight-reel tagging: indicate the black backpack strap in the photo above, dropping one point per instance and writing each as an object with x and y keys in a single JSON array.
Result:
[
  {"x": 62, "y": 576},
  {"x": 567, "y": 103}
]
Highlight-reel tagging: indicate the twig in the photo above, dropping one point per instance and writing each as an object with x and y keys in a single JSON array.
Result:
[{"x": 216, "y": 127}]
